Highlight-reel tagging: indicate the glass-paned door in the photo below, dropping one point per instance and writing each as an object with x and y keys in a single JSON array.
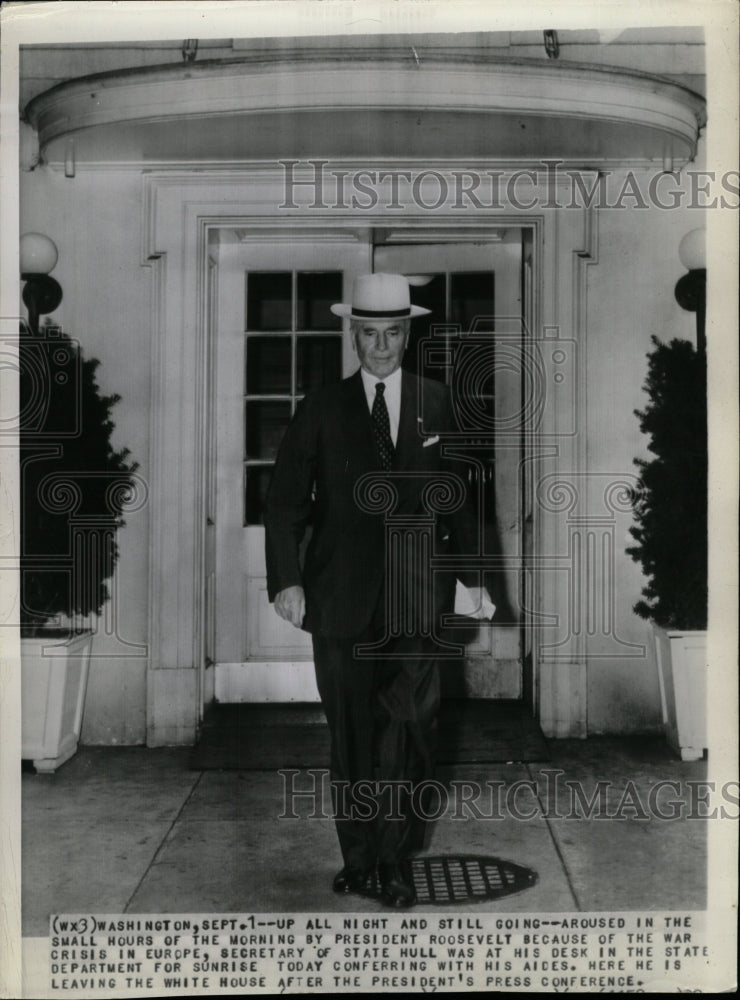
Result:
[
  {"x": 293, "y": 344},
  {"x": 276, "y": 341}
]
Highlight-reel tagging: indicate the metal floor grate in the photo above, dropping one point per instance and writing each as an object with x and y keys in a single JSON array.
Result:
[{"x": 463, "y": 878}]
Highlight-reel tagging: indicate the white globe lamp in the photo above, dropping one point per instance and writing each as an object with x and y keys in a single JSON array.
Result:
[
  {"x": 39, "y": 254},
  {"x": 692, "y": 250},
  {"x": 41, "y": 293}
]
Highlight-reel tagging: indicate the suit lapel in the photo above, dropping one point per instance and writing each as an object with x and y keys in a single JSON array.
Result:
[
  {"x": 359, "y": 426},
  {"x": 408, "y": 436}
]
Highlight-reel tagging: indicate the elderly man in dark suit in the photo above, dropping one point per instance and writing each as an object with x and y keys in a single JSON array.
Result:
[{"x": 355, "y": 589}]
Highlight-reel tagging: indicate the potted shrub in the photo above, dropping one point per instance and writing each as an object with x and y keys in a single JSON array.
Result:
[
  {"x": 671, "y": 533},
  {"x": 73, "y": 488}
]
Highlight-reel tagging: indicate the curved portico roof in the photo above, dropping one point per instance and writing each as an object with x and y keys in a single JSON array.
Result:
[{"x": 370, "y": 103}]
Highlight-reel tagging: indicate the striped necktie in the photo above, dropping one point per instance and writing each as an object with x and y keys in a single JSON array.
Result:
[{"x": 382, "y": 427}]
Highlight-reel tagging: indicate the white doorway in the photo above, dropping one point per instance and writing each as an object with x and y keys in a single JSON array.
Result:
[{"x": 275, "y": 340}]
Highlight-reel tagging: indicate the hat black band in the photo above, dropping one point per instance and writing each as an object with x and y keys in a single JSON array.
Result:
[{"x": 381, "y": 312}]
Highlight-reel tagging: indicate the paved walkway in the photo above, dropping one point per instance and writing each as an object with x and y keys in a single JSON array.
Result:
[{"x": 133, "y": 830}]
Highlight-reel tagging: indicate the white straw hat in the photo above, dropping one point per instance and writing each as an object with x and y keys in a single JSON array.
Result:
[{"x": 379, "y": 296}]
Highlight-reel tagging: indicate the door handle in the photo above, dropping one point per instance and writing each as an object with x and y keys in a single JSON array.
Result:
[{"x": 210, "y": 522}]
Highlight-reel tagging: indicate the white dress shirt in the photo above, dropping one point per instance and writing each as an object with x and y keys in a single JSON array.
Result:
[{"x": 392, "y": 396}]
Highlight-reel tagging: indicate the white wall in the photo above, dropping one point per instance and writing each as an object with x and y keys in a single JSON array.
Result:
[
  {"x": 94, "y": 219},
  {"x": 630, "y": 298}
]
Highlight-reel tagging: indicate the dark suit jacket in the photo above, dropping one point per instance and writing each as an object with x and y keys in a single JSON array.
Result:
[{"x": 328, "y": 446}]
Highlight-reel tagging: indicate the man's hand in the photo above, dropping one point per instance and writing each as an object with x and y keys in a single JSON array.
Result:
[{"x": 290, "y": 604}]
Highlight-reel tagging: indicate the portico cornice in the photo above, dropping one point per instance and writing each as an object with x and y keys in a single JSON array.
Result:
[{"x": 339, "y": 104}]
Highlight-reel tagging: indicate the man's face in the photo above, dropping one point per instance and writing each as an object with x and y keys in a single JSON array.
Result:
[{"x": 380, "y": 344}]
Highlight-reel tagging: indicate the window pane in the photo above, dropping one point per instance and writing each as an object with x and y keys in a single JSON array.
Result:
[
  {"x": 319, "y": 362},
  {"x": 256, "y": 482},
  {"x": 430, "y": 296},
  {"x": 471, "y": 301},
  {"x": 269, "y": 300},
  {"x": 316, "y": 291},
  {"x": 268, "y": 366},
  {"x": 265, "y": 426}
]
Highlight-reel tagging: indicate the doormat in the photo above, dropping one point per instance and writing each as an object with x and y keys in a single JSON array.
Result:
[
  {"x": 267, "y": 737},
  {"x": 461, "y": 878}
]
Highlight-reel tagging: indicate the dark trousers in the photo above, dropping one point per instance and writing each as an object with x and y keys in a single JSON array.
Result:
[{"x": 385, "y": 707}]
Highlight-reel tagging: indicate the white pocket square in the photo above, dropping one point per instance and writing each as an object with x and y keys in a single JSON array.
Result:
[{"x": 427, "y": 441}]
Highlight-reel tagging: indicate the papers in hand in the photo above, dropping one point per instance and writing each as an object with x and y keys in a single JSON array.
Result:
[{"x": 473, "y": 602}]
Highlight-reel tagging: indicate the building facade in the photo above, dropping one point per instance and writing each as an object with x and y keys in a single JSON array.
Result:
[{"x": 207, "y": 209}]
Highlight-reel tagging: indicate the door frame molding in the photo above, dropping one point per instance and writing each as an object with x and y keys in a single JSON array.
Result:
[
  {"x": 280, "y": 669},
  {"x": 179, "y": 209}
]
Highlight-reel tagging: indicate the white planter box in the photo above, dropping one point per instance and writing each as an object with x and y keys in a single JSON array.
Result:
[
  {"x": 53, "y": 685},
  {"x": 682, "y": 674}
]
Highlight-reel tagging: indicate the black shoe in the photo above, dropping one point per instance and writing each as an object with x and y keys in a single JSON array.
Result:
[
  {"x": 351, "y": 879},
  {"x": 396, "y": 888}
]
